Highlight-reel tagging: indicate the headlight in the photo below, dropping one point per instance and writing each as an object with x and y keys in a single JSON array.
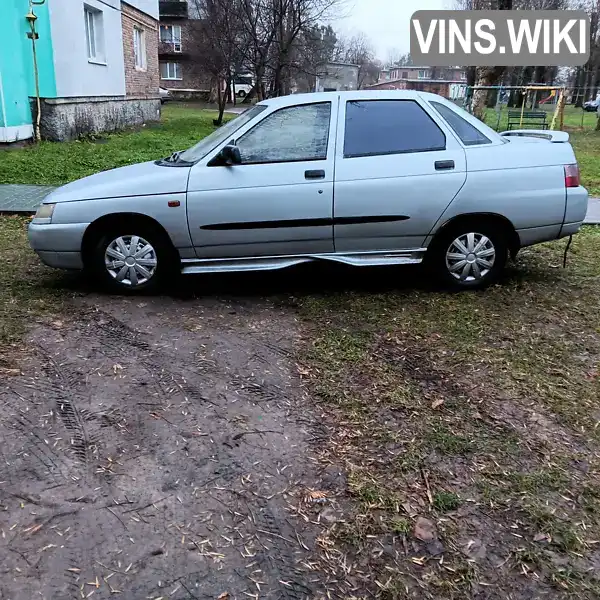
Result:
[{"x": 45, "y": 211}]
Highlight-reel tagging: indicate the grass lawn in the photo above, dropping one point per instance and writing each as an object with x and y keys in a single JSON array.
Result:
[
  {"x": 57, "y": 163},
  {"x": 575, "y": 118},
  {"x": 27, "y": 287},
  {"x": 478, "y": 411}
]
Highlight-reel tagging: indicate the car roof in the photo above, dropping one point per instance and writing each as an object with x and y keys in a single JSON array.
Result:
[
  {"x": 349, "y": 95},
  {"x": 295, "y": 99}
]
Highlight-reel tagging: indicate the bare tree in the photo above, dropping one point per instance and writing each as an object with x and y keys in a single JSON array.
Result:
[
  {"x": 217, "y": 34},
  {"x": 314, "y": 48},
  {"x": 397, "y": 58},
  {"x": 358, "y": 50},
  {"x": 484, "y": 76},
  {"x": 274, "y": 32}
]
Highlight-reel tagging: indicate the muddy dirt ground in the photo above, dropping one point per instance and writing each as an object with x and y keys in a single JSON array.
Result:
[{"x": 159, "y": 447}]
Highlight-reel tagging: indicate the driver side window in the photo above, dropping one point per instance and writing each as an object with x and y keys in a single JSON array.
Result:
[{"x": 295, "y": 133}]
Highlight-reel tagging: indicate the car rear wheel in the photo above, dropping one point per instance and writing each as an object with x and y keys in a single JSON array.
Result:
[
  {"x": 133, "y": 259},
  {"x": 470, "y": 256},
  {"x": 241, "y": 94}
]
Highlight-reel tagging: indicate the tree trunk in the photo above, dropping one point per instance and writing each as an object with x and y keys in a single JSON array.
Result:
[
  {"x": 492, "y": 98},
  {"x": 484, "y": 77},
  {"x": 487, "y": 75},
  {"x": 588, "y": 82},
  {"x": 212, "y": 97},
  {"x": 222, "y": 99},
  {"x": 260, "y": 94},
  {"x": 514, "y": 80}
]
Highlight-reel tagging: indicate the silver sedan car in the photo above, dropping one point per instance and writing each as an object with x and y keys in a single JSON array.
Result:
[{"x": 361, "y": 178}]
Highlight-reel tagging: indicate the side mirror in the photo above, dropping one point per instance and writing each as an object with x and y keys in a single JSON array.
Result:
[{"x": 230, "y": 155}]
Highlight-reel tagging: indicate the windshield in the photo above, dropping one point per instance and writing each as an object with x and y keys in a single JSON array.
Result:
[{"x": 204, "y": 146}]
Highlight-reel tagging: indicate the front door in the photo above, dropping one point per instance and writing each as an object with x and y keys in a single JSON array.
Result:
[
  {"x": 397, "y": 169},
  {"x": 279, "y": 201}
]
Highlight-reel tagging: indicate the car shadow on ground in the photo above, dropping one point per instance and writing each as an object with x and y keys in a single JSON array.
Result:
[
  {"x": 304, "y": 281},
  {"x": 299, "y": 281}
]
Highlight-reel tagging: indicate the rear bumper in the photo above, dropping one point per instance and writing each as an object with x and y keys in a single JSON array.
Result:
[
  {"x": 570, "y": 229},
  {"x": 58, "y": 245},
  {"x": 577, "y": 205},
  {"x": 535, "y": 235}
]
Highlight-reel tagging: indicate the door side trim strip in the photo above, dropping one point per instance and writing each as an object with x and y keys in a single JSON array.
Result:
[{"x": 317, "y": 222}]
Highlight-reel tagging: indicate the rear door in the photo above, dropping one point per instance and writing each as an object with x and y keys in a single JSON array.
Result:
[{"x": 397, "y": 168}]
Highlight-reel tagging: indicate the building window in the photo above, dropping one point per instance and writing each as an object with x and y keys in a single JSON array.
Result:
[
  {"x": 94, "y": 34},
  {"x": 463, "y": 75},
  {"x": 170, "y": 70},
  {"x": 171, "y": 34},
  {"x": 404, "y": 74},
  {"x": 423, "y": 74},
  {"x": 139, "y": 48}
]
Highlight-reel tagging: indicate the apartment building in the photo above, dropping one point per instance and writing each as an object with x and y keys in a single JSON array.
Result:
[
  {"x": 180, "y": 70},
  {"x": 97, "y": 67},
  {"x": 449, "y": 82}
]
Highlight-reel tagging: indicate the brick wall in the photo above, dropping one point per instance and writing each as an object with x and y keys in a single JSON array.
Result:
[
  {"x": 140, "y": 82},
  {"x": 193, "y": 76}
]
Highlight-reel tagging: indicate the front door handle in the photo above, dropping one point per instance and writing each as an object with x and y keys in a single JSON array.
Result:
[
  {"x": 444, "y": 165},
  {"x": 314, "y": 174}
]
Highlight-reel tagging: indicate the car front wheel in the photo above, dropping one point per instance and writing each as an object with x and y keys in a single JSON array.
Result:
[
  {"x": 469, "y": 257},
  {"x": 132, "y": 260}
]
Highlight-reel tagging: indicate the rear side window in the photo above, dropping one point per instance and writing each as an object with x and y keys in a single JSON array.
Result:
[
  {"x": 376, "y": 127},
  {"x": 469, "y": 134}
]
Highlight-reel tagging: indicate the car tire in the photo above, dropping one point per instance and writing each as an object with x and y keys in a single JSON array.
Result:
[
  {"x": 469, "y": 255},
  {"x": 133, "y": 259},
  {"x": 241, "y": 94}
]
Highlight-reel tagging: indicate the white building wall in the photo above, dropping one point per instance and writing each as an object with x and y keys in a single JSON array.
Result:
[
  {"x": 75, "y": 74},
  {"x": 150, "y": 7}
]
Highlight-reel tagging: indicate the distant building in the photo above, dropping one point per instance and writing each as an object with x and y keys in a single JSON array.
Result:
[
  {"x": 336, "y": 76},
  {"x": 97, "y": 64},
  {"x": 180, "y": 71},
  {"x": 449, "y": 82}
]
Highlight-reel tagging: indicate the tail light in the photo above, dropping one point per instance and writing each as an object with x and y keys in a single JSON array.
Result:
[{"x": 572, "y": 175}]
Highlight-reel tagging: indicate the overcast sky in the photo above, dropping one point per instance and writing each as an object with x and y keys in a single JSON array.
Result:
[{"x": 385, "y": 22}]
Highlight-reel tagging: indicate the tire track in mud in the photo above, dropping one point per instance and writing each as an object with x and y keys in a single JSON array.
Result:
[
  {"x": 135, "y": 412},
  {"x": 114, "y": 336},
  {"x": 279, "y": 561},
  {"x": 41, "y": 444},
  {"x": 114, "y": 333},
  {"x": 60, "y": 389}
]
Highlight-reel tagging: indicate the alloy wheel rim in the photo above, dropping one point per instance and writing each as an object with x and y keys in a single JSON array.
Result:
[
  {"x": 130, "y": 260},
  {"x": 470, "y": 257}
]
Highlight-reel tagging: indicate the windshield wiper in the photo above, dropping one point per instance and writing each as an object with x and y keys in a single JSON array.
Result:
[{"x": 173, "y": 158}]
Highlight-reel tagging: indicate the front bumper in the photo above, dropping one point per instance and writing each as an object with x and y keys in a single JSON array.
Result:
[{"x": 58, "y": 245}]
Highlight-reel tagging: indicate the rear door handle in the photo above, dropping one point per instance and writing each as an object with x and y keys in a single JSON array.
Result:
[
  {"x": 314, "y": 174},
  {"x": 443, "y": 165}
]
